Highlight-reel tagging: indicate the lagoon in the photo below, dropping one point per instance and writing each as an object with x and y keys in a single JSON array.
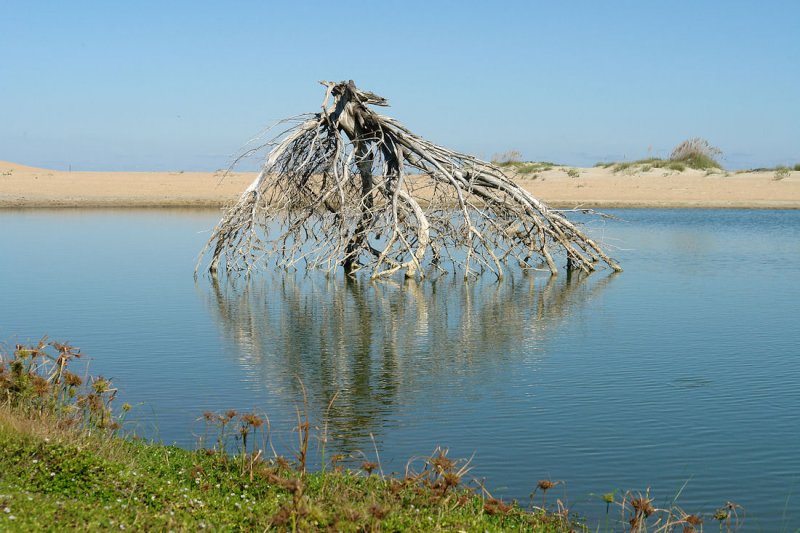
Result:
[{"x": 680, "y": 374}]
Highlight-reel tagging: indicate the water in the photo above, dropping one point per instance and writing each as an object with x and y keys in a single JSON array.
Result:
[{"x": 680, "y": 374}]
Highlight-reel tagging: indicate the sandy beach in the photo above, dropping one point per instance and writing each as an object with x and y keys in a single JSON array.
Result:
[{"x": 23, "y": 186}]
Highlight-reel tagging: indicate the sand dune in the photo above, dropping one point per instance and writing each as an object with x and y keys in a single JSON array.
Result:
[{"x": 23, "y": 186}]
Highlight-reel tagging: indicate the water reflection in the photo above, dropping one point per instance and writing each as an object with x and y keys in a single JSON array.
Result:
[{"x": 378, "y": 346}]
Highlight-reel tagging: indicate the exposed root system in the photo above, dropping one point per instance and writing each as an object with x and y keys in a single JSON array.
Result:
[{"x": 348, "y": 187}]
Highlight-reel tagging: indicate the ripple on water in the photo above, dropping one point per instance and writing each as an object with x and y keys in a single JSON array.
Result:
[{"x": 682, "y": 370}]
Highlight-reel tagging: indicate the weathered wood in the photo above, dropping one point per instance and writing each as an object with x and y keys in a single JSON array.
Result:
[{"x": 352, "y": 188}]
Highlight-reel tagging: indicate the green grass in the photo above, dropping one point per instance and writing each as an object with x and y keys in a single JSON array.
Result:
[
  {"x": 696, "y": 161},
  {"x": 781, "y": 172},
  {"x": 645, "y": 165},
  {"x": 64, "y": 466},
  {"x": 527, "y": 167},
  {"x": 694, "y": 153},
  {"x": 700, "y": 162},
  {"x": 66, "y": 480}
]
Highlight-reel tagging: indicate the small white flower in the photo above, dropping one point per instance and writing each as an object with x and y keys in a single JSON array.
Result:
[
  {"x": 12, "y": 517},
  {"x": 35, "y": 461},
  {"x": 6, "y": 510}
]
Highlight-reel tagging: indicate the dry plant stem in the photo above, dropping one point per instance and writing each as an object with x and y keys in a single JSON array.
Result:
[
  {"x": 348, "y": 187},
  {"x": 303, "y": 430}
]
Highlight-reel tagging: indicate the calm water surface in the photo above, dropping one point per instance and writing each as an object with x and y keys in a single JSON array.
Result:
[{"x": 683, "y": 370}]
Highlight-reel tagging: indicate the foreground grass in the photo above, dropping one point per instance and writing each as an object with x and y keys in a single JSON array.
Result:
[
  {"x": 57, "y": 479},
  {"x": 65, "y": 467}
]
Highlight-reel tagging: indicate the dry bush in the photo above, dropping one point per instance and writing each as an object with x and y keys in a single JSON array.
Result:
[{"x": 511, "y": 156}]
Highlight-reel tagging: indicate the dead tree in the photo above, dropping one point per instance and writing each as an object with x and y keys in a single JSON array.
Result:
[{"x": 352, "y": 188}]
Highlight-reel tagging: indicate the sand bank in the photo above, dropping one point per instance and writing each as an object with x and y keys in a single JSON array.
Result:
[{"x": 22, "y": 186}]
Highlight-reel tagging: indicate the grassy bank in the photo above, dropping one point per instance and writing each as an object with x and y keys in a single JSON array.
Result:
[
  {"x": 65, "y": 465},
  {"x": 62, "y": 479}
]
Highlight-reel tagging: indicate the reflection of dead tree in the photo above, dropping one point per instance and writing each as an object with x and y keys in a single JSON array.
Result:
[
  {"x": 371, "y": 345},
  {"x": 348, "y": 186}
]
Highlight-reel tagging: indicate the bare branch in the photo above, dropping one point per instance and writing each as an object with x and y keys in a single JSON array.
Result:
[{"x": 348, "y": 187}]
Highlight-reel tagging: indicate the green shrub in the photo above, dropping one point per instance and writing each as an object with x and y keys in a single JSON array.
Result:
[
  {"x": 696, "y": 153},
  {"x": 646, "y": 165},
  {"x": 781, "y": 172},
  {"x": 530, "y": 167}
]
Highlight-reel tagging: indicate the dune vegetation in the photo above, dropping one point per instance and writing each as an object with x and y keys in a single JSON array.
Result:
[{"x": 695, "y": 153}]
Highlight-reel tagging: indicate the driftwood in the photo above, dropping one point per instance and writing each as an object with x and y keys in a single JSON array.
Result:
[{"x": 348, "y": 187}]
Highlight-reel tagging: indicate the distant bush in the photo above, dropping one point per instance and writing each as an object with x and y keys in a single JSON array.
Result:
[
  {"x": 797, "y": 167},
  {"x": 507, "y": 158},
  {"x": 693, "y": 153},
  {"x": 513, "y": 160},
  {"x": 645, "y": 165},
  {"x": 696, "y": 153},
  {"x": 781, "y": 172}
]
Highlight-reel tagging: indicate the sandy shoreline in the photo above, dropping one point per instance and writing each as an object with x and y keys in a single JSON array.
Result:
[{"x": 22, "y": 186}]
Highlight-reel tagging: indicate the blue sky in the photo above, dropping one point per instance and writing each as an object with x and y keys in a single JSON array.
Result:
[{"x": 183, "y": 85}]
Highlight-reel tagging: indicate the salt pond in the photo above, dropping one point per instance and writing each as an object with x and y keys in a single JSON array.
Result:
[{"x": 683, "y": 370}]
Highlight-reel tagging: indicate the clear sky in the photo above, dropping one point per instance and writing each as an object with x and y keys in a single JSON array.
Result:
[{"x": 182, "y": 85}]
